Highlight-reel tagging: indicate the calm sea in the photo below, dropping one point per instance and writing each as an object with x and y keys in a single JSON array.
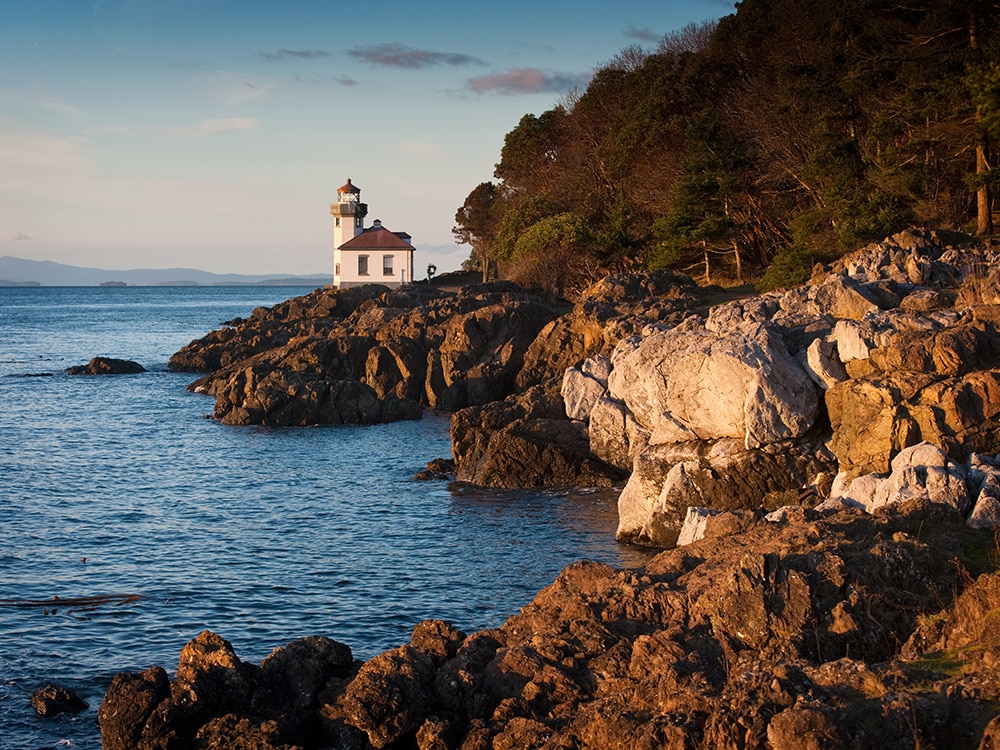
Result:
[{"x": 118, "y": 491}]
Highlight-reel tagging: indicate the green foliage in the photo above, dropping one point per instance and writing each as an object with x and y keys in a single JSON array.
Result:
[
  {"x": 517, "y": 219},
  {"x": 553, "y": 234},
  {"x": 788, "y": 133}
]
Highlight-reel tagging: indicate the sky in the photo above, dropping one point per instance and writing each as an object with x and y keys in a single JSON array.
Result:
[{"x": 213, "y": 134}]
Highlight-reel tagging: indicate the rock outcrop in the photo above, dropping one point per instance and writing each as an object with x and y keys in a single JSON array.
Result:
[
  {"x": 107, "y": 366},
  {"x": 765, "y": 399},
  {"x": 824, "y": 629},
  {"x": 367, "y": 354}
]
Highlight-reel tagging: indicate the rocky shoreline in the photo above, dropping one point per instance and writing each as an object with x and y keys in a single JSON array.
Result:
[{"x": 826, "y": 458}]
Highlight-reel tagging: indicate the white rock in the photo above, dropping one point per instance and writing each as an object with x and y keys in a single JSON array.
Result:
[
  {"x": 920, "y": 471},
  {"x": 615, "y": 436},
  {"x": 694, "y": 525},
  {"x": 852, "y": 340},
  {"x": 582, "y": 387},
  {"x": 823, "y": 365},
  {"x": 984, "y": 484},
  {"x": 700, "y": 385}
]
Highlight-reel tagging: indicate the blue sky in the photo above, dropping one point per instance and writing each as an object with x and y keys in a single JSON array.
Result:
[{"x": 214, "y": 133}]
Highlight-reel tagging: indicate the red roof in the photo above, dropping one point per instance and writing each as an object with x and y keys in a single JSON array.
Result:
[
  {"x": 378, "y": 238},
  {"x": 349, "y": 188}
]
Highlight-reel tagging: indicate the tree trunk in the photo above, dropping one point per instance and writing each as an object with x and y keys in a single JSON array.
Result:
[{"x": 984, "y": 198}]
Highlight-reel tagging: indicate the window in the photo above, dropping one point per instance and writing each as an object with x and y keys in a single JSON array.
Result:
[
  {"x": 387, "y": 265},
  {"x": 336, "y": 270},
  {"x": 362, "y": 265},
  {"x": 359, "y": 221},
  {"x": 336, "y": 221}
]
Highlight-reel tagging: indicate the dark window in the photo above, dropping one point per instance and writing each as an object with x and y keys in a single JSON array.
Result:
[
  {"x": 362, "y": 265},
  {"x": 387, "y": 265}
]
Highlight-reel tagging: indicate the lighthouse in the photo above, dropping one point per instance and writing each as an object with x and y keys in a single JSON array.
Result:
[{"x": 372, "y": 255}]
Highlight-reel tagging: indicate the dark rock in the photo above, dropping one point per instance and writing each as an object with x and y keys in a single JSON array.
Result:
[
  {"x": 389, "y": 698},
  {"x": 437, "y": 468},
  {"x": 107, "y": 366},
  {"x": 53, "y": 700},
  {"x": 128, "y": 705}
]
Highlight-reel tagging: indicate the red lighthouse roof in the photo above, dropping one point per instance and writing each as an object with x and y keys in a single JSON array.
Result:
[{"x": 348, "y": 188}]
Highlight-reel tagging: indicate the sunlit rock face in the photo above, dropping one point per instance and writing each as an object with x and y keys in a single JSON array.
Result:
[
  {"x": 699, "y": 385},
  {"x": 764, "y": 400},
  {"x": 705, "y": 417}
]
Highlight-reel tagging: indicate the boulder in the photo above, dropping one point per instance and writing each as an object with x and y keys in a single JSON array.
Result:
[
  {"x": 694, "y": 525},
  {"x": 53, "y": 700},
  {"x": 841, "y": 297},
  {"x": 823, "y": 364},
  {"x": 536, "y": 453},
  {"x": 615, "y": 436},
  {"x": 107, "y": 366},
  {"x": 697, "y": 385}
]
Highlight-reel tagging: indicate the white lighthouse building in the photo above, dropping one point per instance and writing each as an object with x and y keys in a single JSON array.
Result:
[{"x": 372, "y": 255}]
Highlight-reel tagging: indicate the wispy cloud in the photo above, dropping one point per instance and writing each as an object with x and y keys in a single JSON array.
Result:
[
  {"x": 208, "y": 128},
  {"x": 20, "y": 236},
  {"x": 528, "y": 81},
  {"x": 295, "y": 54},
  {"x": 60, "y": 108},
  {"x": 395, "y": 55},
  {"x": 644, "y": 34}
]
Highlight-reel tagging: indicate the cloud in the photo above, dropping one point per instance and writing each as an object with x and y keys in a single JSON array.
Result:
[
  {"x": 528, "y": 81},
  {"x": 644, "y": 34},
  {"x": 207, "y": 128},
  {"x": 299, "y": 54},
  {"x": 395, "y": 55},
  {"x": 19, "y": 236}
]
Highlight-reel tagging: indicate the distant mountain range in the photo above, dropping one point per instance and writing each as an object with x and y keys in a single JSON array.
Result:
[{"x": 22, "y": 272}]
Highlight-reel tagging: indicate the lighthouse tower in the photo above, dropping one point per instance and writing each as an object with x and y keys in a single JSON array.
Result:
[{"x": 348, "y": 222}]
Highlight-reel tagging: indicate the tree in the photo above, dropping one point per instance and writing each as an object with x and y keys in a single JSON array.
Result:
[{"x": 476, "y": 224}]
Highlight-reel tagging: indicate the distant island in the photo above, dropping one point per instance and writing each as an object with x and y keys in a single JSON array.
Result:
[{"x": 20, "y": 272}]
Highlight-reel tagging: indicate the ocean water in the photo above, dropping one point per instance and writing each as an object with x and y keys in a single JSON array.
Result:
[{"x": 129, "y": 522}]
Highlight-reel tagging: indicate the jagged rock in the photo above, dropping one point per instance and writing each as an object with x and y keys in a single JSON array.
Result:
[
  {"x": 667, "y": 479},
  {"x": 53, "y": 700},
  {"x": 128, "y": 705},
  {"x": 874, "y": 418},
  {"x": 843, "y": 298},
  {"x": 260, "y": 395},
  {"x": 390, "y": 697},
  {"x": 983, "y": 477},
  {"x": 545, "y": 452},
  {"x": 107, "y": 366},
  {"x": 823, "y": 364},
  {"x": 762, "y": 634}
]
